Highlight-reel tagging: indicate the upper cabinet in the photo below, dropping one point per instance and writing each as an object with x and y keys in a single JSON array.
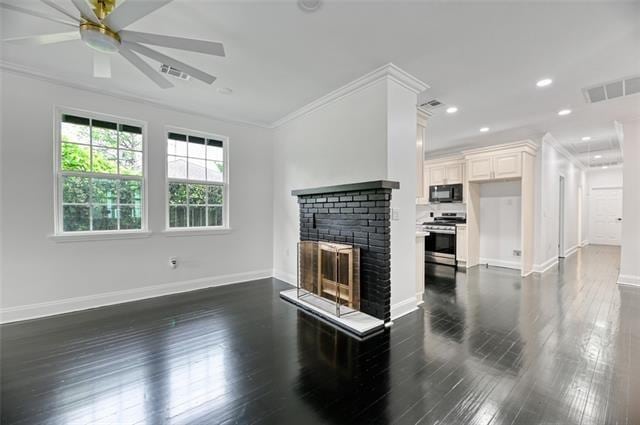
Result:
[
  {"x": 454, "y": 172},
  {"x": 494, "y": 165},
  {"x": 443, "y": 171},
  {"x": 437, "y": 175},
  {"x": 507, "y": 165}
]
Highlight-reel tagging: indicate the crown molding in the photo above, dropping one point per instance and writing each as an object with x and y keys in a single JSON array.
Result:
[
  {"x": 39, "y": 75},
  {"x": 388, "y": 71},
  {"x": 526, "y": 145},
  {"x": 548, "y": 138}
]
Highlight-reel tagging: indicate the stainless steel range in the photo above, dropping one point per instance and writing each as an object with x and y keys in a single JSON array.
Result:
[{"x": 440, "y": 245}]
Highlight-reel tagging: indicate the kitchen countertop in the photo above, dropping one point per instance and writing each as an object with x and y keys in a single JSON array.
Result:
[{"x": 420, "y": 233}]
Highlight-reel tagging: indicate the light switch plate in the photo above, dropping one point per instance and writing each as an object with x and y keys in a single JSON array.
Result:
[{"x": 395, "y": 214}]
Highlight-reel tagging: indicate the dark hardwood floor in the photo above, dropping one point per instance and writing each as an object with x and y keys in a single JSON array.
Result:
[{"x": 487, "y": 348}]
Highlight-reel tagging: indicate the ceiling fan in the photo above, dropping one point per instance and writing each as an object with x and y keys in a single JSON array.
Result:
[{"x": 101, "y": 26}]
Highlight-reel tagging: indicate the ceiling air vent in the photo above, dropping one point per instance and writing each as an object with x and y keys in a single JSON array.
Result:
[
  {"x": 176, "y": 73},
  {"x": 431, "y": 105},
  {"x": 612, "y": 89}
]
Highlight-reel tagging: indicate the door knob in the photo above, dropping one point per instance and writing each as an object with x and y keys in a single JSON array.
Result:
[{"x": 619, "y": 219}]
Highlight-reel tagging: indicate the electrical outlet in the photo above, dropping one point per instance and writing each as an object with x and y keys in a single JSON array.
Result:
[
  {"x": 395, "y": 214},
  {"x": 517, "y": 253}
]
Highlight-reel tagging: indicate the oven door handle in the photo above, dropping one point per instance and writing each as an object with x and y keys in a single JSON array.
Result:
[{"x": 446, "y": 232}]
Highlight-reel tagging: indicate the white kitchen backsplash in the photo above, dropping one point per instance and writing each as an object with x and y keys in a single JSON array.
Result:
[{"x": 423, "y": 211}]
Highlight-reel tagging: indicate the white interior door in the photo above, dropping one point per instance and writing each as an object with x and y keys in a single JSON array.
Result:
[{"x": 606, "y": 216}]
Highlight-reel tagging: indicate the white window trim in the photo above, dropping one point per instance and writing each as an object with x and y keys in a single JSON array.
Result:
[
  {"x": 59, "y": 235},
  {"x": 202, "y": 230}
]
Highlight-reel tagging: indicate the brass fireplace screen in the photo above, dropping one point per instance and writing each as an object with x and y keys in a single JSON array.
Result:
[{"x": 331, "y": 271}]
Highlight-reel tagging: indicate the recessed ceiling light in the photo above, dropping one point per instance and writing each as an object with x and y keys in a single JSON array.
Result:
[
  {"x": 586, "y": 138},
  {"x": 452, "y": 109},
  {"x": 604, "y": 167},
  {"x": 225, "y": 90},
  {"x": 544, "y": 82},
  {"x": 598, "y": 156},
  {"x": 309, "y": 5},
  {"x": 484, "y": 129},
  {"x": 564, "y": 112}
]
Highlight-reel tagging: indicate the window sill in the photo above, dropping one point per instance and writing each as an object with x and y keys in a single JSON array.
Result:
[
  {"x": 196, "y": 232},
  {"x": 87, "y": 237}
]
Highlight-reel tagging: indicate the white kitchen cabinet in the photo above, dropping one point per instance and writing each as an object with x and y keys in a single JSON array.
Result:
[
  {"x": 508, "y": 165},
  {"x": 422, "y": 189},
  {"x": 506, "y": 161},
  {"x": 461, "y": 243},
  {"x": 437, "y": 175},
  {"x": 480, "y": 169},
  {"x": 454, "y": 173},
  {"x": 495, "y": 165},
  {"x": 444, "y": 171}
]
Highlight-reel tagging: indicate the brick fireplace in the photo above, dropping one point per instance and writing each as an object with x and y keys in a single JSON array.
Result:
[{"x": 357, "y": 214}]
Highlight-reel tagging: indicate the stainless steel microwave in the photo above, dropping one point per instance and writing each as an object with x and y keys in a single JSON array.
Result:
[{"x": 445, "y": 193}]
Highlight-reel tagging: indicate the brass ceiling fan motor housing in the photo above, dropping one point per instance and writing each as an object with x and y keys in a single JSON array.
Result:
[{"x": 103, "y": 7}]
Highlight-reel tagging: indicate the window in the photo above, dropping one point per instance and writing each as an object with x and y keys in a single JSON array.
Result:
[
  {"x": 100, "y": 175},
  {"x": 197, "y": 183}
]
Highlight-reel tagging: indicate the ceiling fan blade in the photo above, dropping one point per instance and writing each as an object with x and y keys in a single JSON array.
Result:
[
  {"x": 38, "y": 14},
  {"x": 40, "y": 40},
  {"x": 145, "y": 68},
  {"x": 150, "y": 53},
  {"x": 130, "y": 11},
  {"x": 62, "y": 10},
  {"x": 86, "y": 10},
  {"x": 101, "y": 65},
  {"x": 199, "y": 46}
]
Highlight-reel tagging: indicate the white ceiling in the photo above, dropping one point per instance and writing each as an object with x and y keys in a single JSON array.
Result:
[{"x": 484, "y": 57}]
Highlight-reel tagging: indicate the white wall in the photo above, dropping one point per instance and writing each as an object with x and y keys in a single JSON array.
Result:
[
  {"x": 630, "y": 259},
  {"x": 343, "y": 142},
  {"x": 599, "y": 178},
  {"x": 401, "y": 151},
  {"x": 551, "y": 164},
  {"x": 38, "y": 270},
  {"x": 365, "y": 134},
  {"x": 500, "y": 223}
]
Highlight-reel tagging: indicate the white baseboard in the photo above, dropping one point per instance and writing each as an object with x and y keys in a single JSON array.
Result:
[
  {"x": 541, "y": 268},
  {"x": 501, "y": 263},
  {"x": 403, "y": 308},
  {"x": 569, "y": 252},
  {"x": 67, "y": 305},
  {"x": 286, "y": 277},
  {"x": 629, "y": 280},
  {"x": 584, "y": 243}
]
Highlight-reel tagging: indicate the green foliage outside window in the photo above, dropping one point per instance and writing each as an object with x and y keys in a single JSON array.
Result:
[{"x": 100, "y": 203}]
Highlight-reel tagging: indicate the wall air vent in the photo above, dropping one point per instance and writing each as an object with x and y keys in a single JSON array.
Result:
[
  {"x": 612, "y": 89},
  {"x": 176, "y": 73}
]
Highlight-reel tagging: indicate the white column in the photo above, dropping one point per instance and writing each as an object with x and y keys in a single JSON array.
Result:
[{"x": 630, "y": 259}]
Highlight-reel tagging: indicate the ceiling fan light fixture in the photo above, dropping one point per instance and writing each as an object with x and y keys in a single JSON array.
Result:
[{"x": 99, "y": 38}]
